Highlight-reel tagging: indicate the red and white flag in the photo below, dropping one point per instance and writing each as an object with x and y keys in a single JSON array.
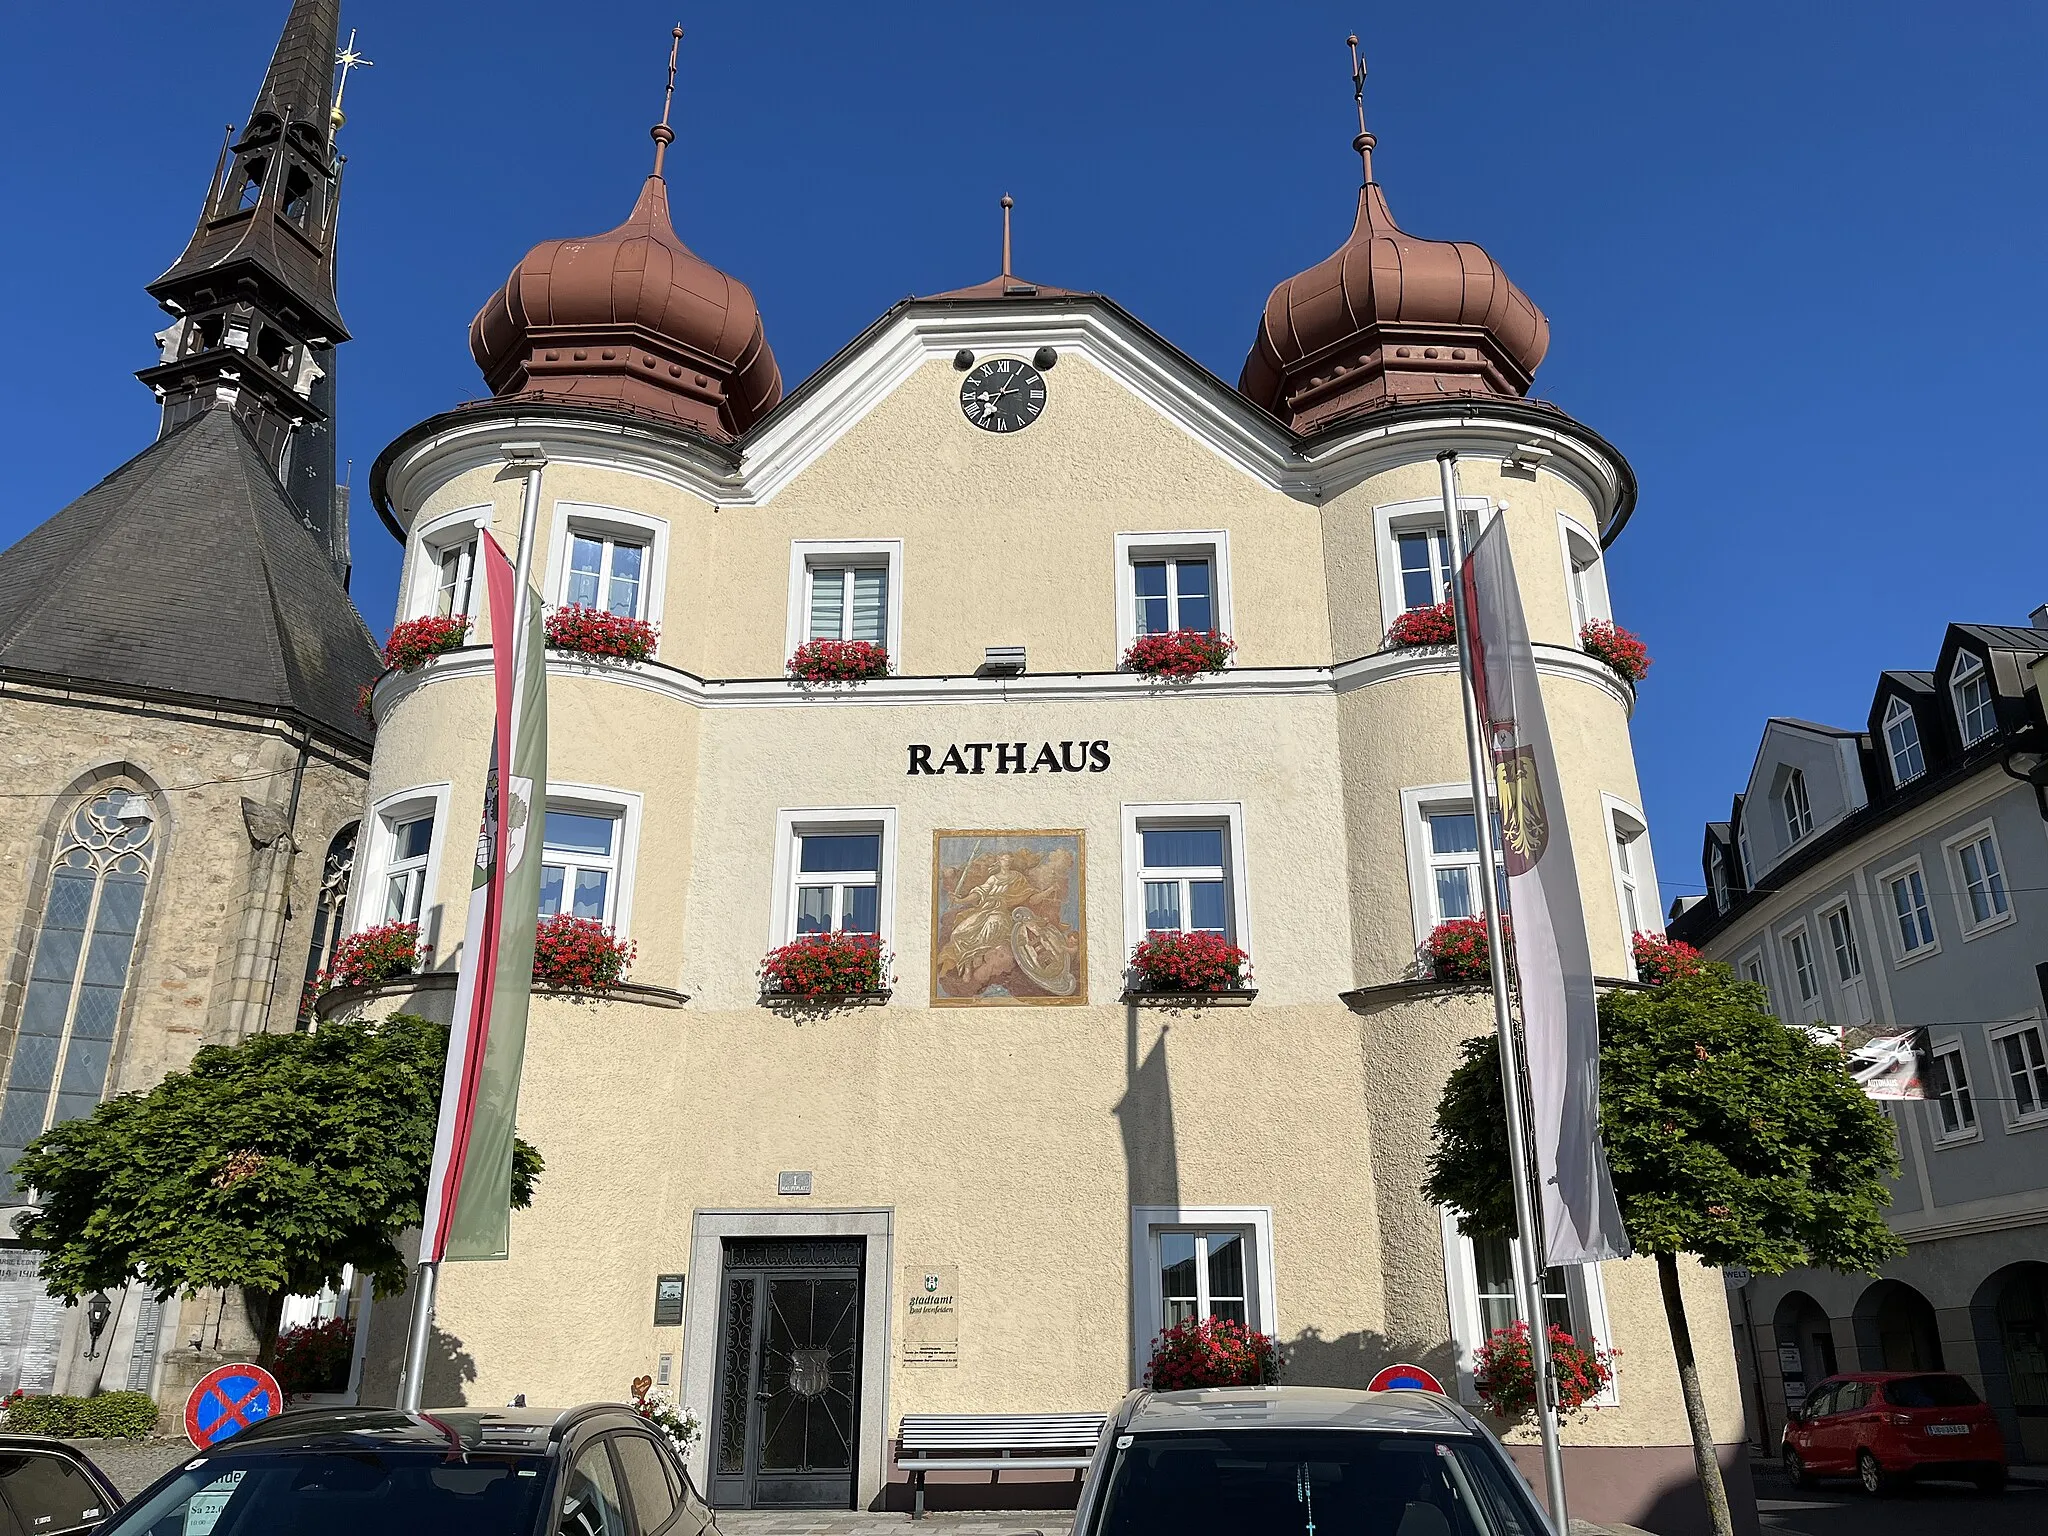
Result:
[
  {"x": 1553, "y": 964},
  {"x": 469, "y": 1191}
]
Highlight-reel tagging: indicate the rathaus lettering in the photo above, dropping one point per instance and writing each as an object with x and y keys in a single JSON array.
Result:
[{"x": 1012, "y": 757}]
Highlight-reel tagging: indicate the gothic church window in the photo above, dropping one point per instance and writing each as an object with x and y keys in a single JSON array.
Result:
[
  {"x": 78, "y": 973},
  {"x": 331, "y": 904}
]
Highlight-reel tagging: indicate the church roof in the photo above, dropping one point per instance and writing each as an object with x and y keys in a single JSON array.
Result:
[{"x": 187, "y": 571}]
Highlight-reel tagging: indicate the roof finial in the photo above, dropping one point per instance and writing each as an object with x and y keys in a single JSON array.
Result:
[
  {"x": 1006, "y": 233},
  {"x": 1365, "y": 141},
  {"x": 663, "y": 134},
  {"x": 347, "y": 58}
]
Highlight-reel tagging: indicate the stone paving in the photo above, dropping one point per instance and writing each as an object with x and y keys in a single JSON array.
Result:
[{"x": 851, "y": 1522}]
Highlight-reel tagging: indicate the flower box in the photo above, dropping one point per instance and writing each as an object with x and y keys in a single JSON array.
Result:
[
  {"x": 1622, "y": 651},
  {"x": 594, "y": 632},
  {"x": 316, "y": 1357},
  {"x": 826, "y": 965},
  {"x": 376, "y": 954},
  {"x": 1659, "y": 959},
  {"x": 1189, "y": 963},
  {"x": 1179, "y": 654},
  {"x": 1434, "y": 625},
  {"x": 578, "y": 954},
  {"x": 1456, "y": 951},
  {"x": 838, "y": 661},
  {"x": 415, "y": 642},
  {"x": 1212, "y": 1352},
  {"x": 1505, "y": 1380}
]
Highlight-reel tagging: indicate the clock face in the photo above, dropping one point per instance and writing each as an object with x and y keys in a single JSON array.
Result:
[{"x": 1004, "y": 394}]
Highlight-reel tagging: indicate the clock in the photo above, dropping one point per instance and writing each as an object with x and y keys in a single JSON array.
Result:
[{"x": 1004, "y": 394}]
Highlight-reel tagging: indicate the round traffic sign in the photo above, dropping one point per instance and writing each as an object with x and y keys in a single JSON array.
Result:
[
  {"x": 1404, "y": 1378},
  {"x": 227, "y": 1400}
]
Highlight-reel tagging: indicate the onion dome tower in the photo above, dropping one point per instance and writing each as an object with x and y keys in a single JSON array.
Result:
[
  {"x": 1389, "y": 318},
  {"x": 632, "y": 319}
]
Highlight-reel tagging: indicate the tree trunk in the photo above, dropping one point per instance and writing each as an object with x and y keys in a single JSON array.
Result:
[
  {"x": 1704, "y": 1461},
  {"x": 264, "y": 1310}
]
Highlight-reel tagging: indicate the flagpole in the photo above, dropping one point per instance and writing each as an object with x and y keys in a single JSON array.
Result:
[
  {"x": 420, "y": 1327},
  {"x": 1527, "y": 1224}
]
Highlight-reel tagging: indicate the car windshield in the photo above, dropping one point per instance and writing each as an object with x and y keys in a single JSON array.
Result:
[
  {"x": 340, "y": 1492},
  {"x": 1929, "y": 1392},
  {"x": 1299, "y": 1483}
]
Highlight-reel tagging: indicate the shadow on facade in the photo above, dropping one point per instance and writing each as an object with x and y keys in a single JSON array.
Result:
[
  {"x": 1896, "y": 1329},
  {"x": 1145, "y": 1118},
  {"x": 2009, "y": 1317},
  {"x": 1353, "y": 1359}
]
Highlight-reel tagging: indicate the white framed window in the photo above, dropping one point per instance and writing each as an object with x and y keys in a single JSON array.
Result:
[
  {"x": 1794, "y": 808},
  {"x": 1585, "y": 574},
  {"x": 1952, "y": 1112},
  {"x": 1805, "y": 973},
  {"x": 847, "y": 589},
  {"x": 609, "y": 559},
  {"x": 1199, "y": 1261},
  {"x": 588, "y": 844},
  {"x": 1970, "y": 686},
  {"x": 1479, "y": 1283},
  {"x": 404, "y": 860},
  {"x": 1846, "y": 964},
  {"x": 1169, "y": 581},
  {"x": 1184, "y": 869},
  {"x": 1718, "y": 868},
  {"x": 1753, "y": 970},
  {"x": 1902, "y": 742},
  {"x": 1635, "y": 876},
  {"x": 1913, "y": 924},
  {"x": 1443, "y": 856},
  {"x": 1414, "y": 552},
  {"x": 1978, "y": 872},
  {"x": 1748, "y": 868},
  {"x": 2020, "y": 1064},
  {"x": 445, "y": 567},
  {"x": 834, "y": 872}
]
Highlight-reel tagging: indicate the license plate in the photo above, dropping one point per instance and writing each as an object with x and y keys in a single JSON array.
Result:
[{"x": 1948, "y": 1429}]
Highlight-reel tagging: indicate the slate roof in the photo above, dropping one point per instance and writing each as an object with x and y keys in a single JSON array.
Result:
[
  {"x": 2008, "y": 637},
  {"x": 187, "y": 571},
  {"x": 1910, "y": 682}
]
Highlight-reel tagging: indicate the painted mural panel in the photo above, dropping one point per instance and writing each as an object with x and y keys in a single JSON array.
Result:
[{"x": 1009, "y": 917}]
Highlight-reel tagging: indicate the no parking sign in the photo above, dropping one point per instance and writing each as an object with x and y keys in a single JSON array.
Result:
[
  {"x": 227, "y": 1400},
  {"x": 1404, "y": 1378}
]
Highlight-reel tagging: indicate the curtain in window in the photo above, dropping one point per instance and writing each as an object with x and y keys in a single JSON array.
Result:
[{"x": 65, "y": 1038}]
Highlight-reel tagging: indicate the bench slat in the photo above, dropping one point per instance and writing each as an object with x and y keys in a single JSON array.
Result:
[{"x": 1030, "y": 1434}]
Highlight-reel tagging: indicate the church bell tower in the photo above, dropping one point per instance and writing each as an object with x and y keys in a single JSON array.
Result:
[{"x": 255, "y": 317}]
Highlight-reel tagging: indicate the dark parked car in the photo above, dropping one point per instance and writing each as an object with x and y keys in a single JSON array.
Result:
[
  {"x": 49, "y": 1489},
  {"x": 1884, "y": 1427},
  {"x": 1263, "y": 1461},
  {"x": 598, "y": 1470}
]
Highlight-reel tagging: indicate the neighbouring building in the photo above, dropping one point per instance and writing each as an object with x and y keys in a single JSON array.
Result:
[
  {"x": 1894, "y": 873},
  {"x": 180, "y": 670},
  {"x": 1005, "y": 485}
]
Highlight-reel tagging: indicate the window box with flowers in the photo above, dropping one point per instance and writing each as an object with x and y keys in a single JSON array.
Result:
[
  {"x": 415, "y": 642},
  {"x": 1178, "y": 655},
  {"x": 1659, "y": 959},
  {"x": 1623, "y": 652},
  {"x": 832, "y": 662},
  {"x": 1456, "y": 952},
  {"x": 827, "y": 967},
  {"x": 1433, "y": 625},
  {"x": 383, "y": 953},
  {"x": 1189, "y": 968},
  {"x": 1506, "y": 1382},
  {"x": 601, "y": 635},
  {"x": 316, "y": 1357},
  {"x": 1212, "y": 1352},
  {"x": 578, "y": 954}
]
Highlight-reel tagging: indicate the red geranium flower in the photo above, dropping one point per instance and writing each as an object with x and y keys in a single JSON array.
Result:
[
  {"x": 1659, "y": 959},
  {"x": 1456, "y": 951},
  {"x": 376, "y": 954},
  {"x": 1190, "y": 962},
  {"x": 838, "y": 661},
  {"x": 415, "y": 642},
  {"x": 595, "y": 632},
  {"x": 579, "y": 954},
  {"x": 1424, "y": 626},
  {"x": 1179, "y": 654},
  {"x": 1212, "y": 1352},
  {"x": 827, "y": 965},
  {"x": 1614, "y": 645},
  {"x": 1506, "y": 1380}
]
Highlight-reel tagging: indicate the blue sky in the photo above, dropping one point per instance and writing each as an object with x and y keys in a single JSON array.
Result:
[{"x": 1791, "y": 253}]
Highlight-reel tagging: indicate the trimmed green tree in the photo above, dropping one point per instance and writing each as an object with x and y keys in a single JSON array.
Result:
[
  {"x": 1730, "y": 1137},
  {"x": 268, "y": 1166}
]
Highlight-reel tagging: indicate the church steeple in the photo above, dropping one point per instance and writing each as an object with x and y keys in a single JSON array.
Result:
[{"x": 256, "y": 320}]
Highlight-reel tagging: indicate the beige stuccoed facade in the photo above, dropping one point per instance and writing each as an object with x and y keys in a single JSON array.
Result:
[{"x": 1031, "y": 1154}]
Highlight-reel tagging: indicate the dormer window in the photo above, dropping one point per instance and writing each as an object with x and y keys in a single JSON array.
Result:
[
  {"x": 1798, "y": 813},
  {"x": 1720, "y": 879},
  {"x": 1902, "y": 743},
  {"x": 1970, "y": 686}
]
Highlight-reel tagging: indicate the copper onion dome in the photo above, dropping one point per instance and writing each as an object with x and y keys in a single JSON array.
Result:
[
  {"x": 631, "y": 318},
  {"x": 1389, "y": 318}
]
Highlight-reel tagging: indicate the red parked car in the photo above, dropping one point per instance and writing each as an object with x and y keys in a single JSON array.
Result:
[{"x": 1885, "y": 1427}]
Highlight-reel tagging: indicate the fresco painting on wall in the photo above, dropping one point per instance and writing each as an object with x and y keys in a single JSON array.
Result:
[{"x": 1008, "y": 918}]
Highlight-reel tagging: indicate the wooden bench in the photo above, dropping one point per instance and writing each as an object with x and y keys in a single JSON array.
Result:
[{"x": 993, "y": 1442}]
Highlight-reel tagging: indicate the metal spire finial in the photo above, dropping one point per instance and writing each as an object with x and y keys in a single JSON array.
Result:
[
  {"x": 1365, "y": 141},
  {"x": 1006, "y": 233},
  {"x": 347, "y": 58},
  {"x": 663, "y": 134}
]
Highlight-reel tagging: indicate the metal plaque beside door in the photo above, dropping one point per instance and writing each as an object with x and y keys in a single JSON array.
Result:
[{"x": 784, "y": 1418}]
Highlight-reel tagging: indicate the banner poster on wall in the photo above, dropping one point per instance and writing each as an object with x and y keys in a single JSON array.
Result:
[{"x": 1889, "y": 1063}]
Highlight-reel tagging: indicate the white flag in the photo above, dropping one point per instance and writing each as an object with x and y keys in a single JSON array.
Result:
[{"x": 1552, "y": 963}]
